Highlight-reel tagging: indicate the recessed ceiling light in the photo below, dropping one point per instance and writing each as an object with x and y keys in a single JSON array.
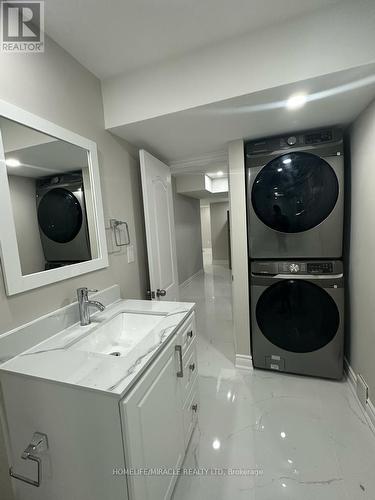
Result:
[
  {"x": 12, "y": 162},
  {"x": 296, "y": 101},
  {"x": 216, "y": 444},
  {"x": 220, "y": 173}
]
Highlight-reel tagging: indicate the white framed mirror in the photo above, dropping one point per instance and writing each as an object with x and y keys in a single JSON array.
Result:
[{"x": 51, "y": 213}]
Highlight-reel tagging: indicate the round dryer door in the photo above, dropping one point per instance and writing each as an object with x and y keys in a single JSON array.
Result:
[
  {"x": 60, "y": 215},
  {"x": 295, "y": 192},
  {"x": 297, "y": 316}
]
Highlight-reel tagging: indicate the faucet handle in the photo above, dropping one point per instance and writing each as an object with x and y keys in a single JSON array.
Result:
[{"x": 84, "y": 290}]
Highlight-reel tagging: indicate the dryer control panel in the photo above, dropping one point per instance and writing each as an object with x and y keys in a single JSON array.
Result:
[{"x": 300, "y": 141}]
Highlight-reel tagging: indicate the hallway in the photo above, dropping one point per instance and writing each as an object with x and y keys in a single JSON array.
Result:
[{"x": 264, "y": 435}]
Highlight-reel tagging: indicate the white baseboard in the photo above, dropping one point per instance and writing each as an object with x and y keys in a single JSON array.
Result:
[
  {"x": 243, "y": 362},
  {"x": 189, "y": 280},
  {"x": 369, "y": 410},
  {"x": 350, "y": 374},
  {"x": 220, "y": 262}
]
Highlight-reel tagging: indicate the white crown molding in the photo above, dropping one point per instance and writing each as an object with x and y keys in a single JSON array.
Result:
[{"x": 218, "y": 159}]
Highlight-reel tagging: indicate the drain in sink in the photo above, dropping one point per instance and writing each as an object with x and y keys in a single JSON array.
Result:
[{"x": 115, "y": 353}]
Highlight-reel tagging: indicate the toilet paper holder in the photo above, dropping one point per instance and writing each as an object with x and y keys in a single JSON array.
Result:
[{"x": 38, "y": 444}]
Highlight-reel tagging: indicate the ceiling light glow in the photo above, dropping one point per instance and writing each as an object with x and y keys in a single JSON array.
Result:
[
  {"x": 216, "y": 444},
  {"x": 12, "y": 162},
  {"x": 296, "y": 101},
  {"x": 220, "y": 173}
]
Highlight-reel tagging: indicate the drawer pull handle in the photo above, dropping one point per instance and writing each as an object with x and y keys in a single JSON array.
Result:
[
  {"x": 192, "y": 367},
  {"x": 194, "y": 407},
  {"x": 180, "y": 373},
  {"x": 190, "y": 334}
]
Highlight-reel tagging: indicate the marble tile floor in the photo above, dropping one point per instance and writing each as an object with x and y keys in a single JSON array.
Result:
[{"x": 268, "y": 436}]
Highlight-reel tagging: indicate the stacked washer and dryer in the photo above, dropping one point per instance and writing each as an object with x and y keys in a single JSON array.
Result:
[{"x": 295, "y": 209}]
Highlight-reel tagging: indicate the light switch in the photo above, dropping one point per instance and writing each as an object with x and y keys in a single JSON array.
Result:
[{"x": 130, "y": 253}]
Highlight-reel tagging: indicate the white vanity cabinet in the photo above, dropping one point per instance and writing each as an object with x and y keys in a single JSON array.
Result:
[
  {"x": 158, "y": 417},
  {"x": 96, "y": 437}
]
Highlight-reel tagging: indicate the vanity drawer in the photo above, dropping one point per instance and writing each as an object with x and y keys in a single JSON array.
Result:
[
  {"x": 190, "y": 371},
  {"x": 190, "y": 412},
  {"x": 187, "y": 334}
]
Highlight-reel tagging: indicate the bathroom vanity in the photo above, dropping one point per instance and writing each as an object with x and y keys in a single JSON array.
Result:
[{"x": 113, "y": 403}]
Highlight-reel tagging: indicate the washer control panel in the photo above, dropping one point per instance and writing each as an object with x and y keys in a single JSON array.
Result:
[
  {"x": 320, "y": 268},
  {"x": 292, "y": 268},
  {"x": 296, "y": 267},
  {"x": 305, "y": 267}
]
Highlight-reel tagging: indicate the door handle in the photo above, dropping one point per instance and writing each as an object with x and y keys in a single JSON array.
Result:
[
  {"x": 180, "y": 373},
  {"x": 161, "y": 293},
  {"x": 192, "y": 367}
]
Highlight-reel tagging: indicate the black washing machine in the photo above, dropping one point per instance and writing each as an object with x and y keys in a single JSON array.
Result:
[
  {"x": 62, "y": 219},
  {"x": 297, "y": 319}
]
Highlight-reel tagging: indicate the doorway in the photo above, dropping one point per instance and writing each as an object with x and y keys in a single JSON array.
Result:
[{"x": 215, "y": 232}]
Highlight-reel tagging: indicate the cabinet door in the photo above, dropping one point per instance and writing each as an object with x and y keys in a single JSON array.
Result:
[{"x": 153, "y": 428}]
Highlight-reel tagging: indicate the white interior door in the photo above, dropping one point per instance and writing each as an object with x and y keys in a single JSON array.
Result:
[{"x": 160, "y": 229}]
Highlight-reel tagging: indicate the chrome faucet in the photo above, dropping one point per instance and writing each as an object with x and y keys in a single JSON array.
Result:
[{"x": 84, "y": 305}]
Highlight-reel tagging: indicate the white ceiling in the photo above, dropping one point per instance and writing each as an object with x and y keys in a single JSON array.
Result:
[
  {"x": 50, "y": 158},
  {"x": 208, "y": 164},
  {"x": 118, "y": 36},
  {"x": 336, "y": 100}
]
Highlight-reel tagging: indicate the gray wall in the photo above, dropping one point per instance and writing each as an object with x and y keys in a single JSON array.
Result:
[
  {"x": 55, "y": 86},
  {"x": 361, "y": 315},
  {"x": 188, "y": 235},
  {"x": 23, "y": 195},
  {"x": 219, "y": 231}
]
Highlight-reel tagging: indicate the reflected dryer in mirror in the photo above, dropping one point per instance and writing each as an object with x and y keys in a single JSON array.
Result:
[{"x": 52, "y": 225}]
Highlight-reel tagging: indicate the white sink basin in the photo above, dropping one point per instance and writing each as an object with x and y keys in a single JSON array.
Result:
[{"x": 119, "y": 335}]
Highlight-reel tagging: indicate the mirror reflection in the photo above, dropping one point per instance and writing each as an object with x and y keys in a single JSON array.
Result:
[{"x": 49, "y": 183}]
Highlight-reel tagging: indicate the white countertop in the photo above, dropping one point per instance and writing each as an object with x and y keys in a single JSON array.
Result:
[{"x": 54, "y": 359}]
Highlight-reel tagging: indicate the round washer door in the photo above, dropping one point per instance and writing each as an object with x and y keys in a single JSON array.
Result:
[
  {"x": 60, "y": 215},
  {"x": 297, "y": 316},
  {"x": 295, "y": 192}
]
